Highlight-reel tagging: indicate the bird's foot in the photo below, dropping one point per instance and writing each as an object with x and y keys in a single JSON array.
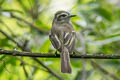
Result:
[{"x": 56, "y": 54}]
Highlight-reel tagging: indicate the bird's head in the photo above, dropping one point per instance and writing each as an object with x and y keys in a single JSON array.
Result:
[{"x": 62, "y": 16}]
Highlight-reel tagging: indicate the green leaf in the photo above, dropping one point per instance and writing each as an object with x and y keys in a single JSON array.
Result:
[
  {"x": 104, "y": 13},
  {"x": 45, "y": 46},
  {"x": 41, "y": 25},
  {"x": 118, "y": 13},
  {"x": 11, "y": 10},
  {"x": 2, "y": 57}
]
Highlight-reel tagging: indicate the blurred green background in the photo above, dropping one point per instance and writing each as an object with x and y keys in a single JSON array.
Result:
[{"x": 28, "y": 21}]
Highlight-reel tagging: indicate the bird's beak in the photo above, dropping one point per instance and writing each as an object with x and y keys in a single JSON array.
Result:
[{"x": 72, "y": 16}]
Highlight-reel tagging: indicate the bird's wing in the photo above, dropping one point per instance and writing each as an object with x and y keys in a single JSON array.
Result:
[
  {"x": 69, "y": 40},
  {"x": 55, "y": 41}
]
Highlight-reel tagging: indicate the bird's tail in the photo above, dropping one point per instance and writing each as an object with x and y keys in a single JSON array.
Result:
[{"x": 65, "y": 61}]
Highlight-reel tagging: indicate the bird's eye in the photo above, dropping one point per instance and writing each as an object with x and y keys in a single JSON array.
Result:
[{"x": 63, "y": 15}]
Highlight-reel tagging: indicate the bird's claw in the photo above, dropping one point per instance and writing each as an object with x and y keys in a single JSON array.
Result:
[{"x": 56, "y": 53}]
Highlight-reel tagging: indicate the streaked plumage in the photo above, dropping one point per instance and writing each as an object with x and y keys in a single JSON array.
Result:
[{"x": 62, "y": 37}]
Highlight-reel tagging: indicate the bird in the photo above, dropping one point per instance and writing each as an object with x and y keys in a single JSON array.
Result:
[{"x": 63, "y": 38}]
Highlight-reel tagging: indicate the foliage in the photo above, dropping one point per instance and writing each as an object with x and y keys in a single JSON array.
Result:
[{"x": 97, "y": 20}]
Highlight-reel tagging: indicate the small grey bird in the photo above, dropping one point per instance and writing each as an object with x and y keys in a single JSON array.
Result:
[{"x": 62, "y": 37}]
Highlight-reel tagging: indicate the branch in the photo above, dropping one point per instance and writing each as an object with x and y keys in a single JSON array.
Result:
[
  {"x": 10, "y": 38},
  {"x": 49, "y": 70},
  {"x": 26, "y": 49},
  {"x": 25, "y": 71},
  {"x": 26, "y": 74},
  {"x": 51, "y": 55},
  {"x": 94, "y": 64},
  {"x": 30, "y": 24},
  {"x": 7, "y": 27}
]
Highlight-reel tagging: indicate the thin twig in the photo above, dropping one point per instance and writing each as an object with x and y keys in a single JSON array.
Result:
[
  {"x": 10, "y": 38},
  {"x": 24, "y": 68},
  {"x": 30, "y": 24},
  {"x": 94, "y": 64},
  {"x": 25, "y": 71},
  {"x": 32, "y": 65},
  {"x": 12, "y": 33},
  {"x": 82, "y": 39},
  {"x": 49, "y": 70}
]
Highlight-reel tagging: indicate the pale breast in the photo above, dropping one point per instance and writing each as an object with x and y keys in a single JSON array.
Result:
[{"x": 66, "y": 27}]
